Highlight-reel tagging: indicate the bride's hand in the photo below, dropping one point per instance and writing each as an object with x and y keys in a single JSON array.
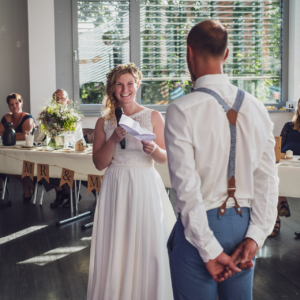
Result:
[
  {"x": 149, "y": 147},
  {"x": 118, "y": 135}
]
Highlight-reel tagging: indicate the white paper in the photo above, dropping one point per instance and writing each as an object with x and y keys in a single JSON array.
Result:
[
  {"x": 78, "y": 133},
  {"x": 135, "y": 130}
]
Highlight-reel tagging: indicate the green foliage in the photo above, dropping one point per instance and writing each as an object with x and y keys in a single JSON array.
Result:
[
  {"x": 92, "y": 92},
  {"x": 262, "y": 60},
  {"x": 56, "y": 118},
  {"x": 158, "y": 92}
]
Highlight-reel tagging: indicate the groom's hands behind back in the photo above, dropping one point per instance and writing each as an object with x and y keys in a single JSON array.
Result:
[
  {"x": 244, "y": 253},
  {"x": 222, "y": 267}
]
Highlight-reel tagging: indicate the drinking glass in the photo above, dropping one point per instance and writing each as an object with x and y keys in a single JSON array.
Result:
[{"x": 29, "y": 138}]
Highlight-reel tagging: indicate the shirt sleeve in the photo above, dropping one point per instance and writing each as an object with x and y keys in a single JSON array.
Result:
[
  {"x": 186, "y": 183},
  {"x": 264, "y": 204}
]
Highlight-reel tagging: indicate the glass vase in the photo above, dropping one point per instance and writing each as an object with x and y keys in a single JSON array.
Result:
[{"x": 56, "y": 141}]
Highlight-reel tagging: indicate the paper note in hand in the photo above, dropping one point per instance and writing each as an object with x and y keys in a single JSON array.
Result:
[{"x": 135, "y": 130}]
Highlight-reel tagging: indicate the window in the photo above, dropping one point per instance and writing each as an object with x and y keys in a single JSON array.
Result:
[
  {"x": 103, "y": 43},
  {"x": 254, "y": 28}
]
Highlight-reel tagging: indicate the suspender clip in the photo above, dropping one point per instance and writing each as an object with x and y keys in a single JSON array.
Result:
[{"x": 231, "y": 192}]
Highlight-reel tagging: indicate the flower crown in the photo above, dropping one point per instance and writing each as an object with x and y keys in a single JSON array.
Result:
[{"x": 131, "y": 66}]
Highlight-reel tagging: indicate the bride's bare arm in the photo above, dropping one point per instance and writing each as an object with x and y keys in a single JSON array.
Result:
[
  {"x": 103, "y": 150},
  {"x": 157, "y": 148}
]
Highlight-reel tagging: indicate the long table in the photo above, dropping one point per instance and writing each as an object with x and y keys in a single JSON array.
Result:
[{"x": 11, "y": 162}]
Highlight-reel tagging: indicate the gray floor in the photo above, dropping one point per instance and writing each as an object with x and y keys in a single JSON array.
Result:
[{"x": 40, "y": 261}]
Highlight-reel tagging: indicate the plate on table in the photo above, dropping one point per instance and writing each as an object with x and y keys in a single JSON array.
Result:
[
  {"x": 44, "y": 149},
  {"x": 28, "y": 147},
  {"x": 10, "y": 147},
  {"x": 65, "y": 150}
]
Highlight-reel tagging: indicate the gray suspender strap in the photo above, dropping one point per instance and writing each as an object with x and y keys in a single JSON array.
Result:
[{"x": 232, "y": 117}]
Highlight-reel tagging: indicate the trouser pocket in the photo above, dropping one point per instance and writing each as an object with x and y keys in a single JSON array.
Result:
[{"x": 170, "y": 243}]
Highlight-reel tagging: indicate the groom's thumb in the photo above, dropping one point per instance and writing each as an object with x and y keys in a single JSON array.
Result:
[
  {"x": 236, "y": 256},
  {"x": 232, "y": 265},
  {"x": 245, "y": 255}
]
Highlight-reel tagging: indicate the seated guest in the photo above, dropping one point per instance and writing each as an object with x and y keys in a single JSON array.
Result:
[
  {"x": 62, "y": 192},
  {"x": 61, "y": 96},
  {"x": 22, "y": 122},
  {"x": 290, "y": 134},
  {"x": 290, "y": 140}
]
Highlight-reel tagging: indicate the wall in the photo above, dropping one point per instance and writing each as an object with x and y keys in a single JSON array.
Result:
[
  {"x": 64, "y": 46},
  {"x": 41, "y": 53},
  {"x": 279, "y": 119},
  {"x": 14, "y": 75}
]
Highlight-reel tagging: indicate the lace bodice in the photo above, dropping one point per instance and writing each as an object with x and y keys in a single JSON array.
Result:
[{"x": 133, "y": 154}]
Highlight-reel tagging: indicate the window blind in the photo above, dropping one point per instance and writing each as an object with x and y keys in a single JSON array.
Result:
[
  {"x": 255, "y": 42},
  {"x": 254, "y": 29}
]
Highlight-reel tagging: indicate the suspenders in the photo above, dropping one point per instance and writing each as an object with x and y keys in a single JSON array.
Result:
[{"x": 232, "y": 117}]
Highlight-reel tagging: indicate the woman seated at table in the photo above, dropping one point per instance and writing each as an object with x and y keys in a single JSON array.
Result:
[
  {"x": 22, "y": 122},
  {"x": 290, "y": 140}
]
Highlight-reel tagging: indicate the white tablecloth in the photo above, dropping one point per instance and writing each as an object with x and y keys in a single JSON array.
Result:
[
  {"x": 11, "y": 162},
  {"x": 289, "y": 177}
]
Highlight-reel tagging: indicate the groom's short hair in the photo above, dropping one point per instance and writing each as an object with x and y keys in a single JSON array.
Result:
[{"x": 208, "y": 38}]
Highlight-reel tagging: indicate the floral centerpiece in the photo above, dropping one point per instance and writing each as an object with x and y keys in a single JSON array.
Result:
[{"x": 57, "y": 118}]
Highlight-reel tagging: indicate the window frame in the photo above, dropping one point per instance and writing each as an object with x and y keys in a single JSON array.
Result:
[{"x": 90, "y": 110}]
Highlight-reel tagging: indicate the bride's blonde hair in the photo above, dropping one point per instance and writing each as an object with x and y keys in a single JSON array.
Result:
[{"x": 110, "y": 101}]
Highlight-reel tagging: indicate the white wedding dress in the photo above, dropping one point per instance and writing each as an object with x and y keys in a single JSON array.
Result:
[{"x": 133, "y": 220}]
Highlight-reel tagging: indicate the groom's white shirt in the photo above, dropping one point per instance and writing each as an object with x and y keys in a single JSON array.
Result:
[{"x": 198, "y": 141}]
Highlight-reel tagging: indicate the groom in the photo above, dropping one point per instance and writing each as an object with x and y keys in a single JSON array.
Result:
[{"x": 221, "y": 158}]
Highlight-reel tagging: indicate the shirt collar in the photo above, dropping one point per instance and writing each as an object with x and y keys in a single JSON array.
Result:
[{"x": 212, "y": 79}]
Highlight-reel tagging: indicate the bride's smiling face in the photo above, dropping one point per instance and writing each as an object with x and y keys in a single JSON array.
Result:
[{"x": 126, "y": 88}]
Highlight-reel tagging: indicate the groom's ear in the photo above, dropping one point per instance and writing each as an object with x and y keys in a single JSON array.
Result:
[
  {"x": 190, "y": 53},
  {"x": 226, "y": 54}
]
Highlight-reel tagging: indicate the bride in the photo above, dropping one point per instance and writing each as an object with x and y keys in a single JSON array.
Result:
[{"x": 134, "y": 216}]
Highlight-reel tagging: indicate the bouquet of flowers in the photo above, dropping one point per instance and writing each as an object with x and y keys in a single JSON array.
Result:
[{"x": 57, "y": 118}]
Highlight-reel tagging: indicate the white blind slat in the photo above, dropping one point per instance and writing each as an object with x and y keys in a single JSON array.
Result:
[
  {"x": 254, "y": 39},
  {"x": 254, "y": 31}
]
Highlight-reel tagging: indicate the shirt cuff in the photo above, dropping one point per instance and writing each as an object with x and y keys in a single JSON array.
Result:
[
  {"x": 211, "y": 251},
  {"x": 256, "y": 234}
]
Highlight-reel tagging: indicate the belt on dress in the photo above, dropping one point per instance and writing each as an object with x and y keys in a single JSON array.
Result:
[{"x": 231, "y": 113}]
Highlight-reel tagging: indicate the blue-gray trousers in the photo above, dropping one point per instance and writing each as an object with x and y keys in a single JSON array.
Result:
[{"x": 190, "y": 278}]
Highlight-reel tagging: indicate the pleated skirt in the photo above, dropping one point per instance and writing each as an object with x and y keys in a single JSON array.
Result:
[{"x": 132, "y": 223}]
